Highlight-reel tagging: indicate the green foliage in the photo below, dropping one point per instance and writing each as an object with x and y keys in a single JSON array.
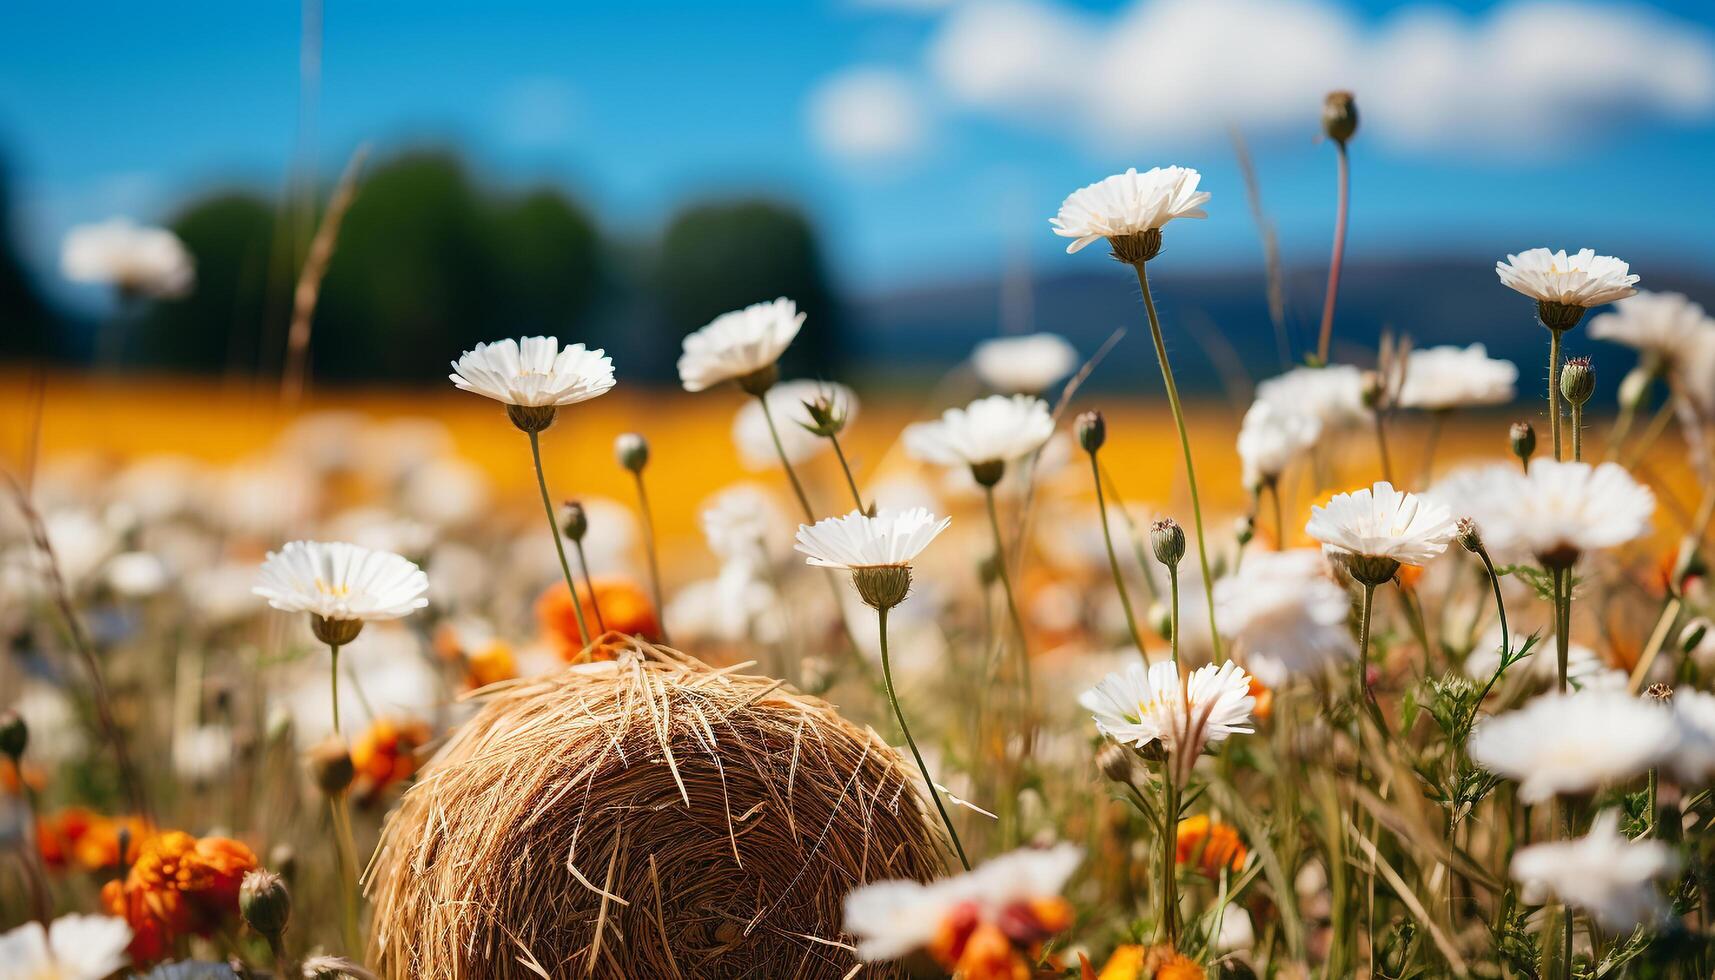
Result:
[{"x": 723, "y": 256}]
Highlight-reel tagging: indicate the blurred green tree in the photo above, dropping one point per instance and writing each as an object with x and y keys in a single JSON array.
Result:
[
  {"x": 26, "y": 326},
  {"x": 242, "y": 294},
  {"x": 722, "y": 256}
]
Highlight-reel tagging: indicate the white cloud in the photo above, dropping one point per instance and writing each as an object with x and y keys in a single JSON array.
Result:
[
  {"x": 868, "y": 115},
  {"x": 1528, "y": 76}
]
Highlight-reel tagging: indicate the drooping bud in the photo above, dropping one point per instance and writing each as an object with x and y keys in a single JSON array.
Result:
[
  {"x": 1167, "y": 538},
  {"x": 335, "y": 632},
  {"x": 1339, "y": 116},
  {"x": 1577, "y": 380},
  {"x": 987, "y": 474},
  {"x": 632, "y": 451},
  {"x": 531, "y": 418},
  {"x": 574, "y": 523},
  {"x": 882, "y": 586},
  {"x": 1522, "y": 437},
  {"x": 265, "y": 903},
  {"x": 14, "y": 735},
  {"x": 1092, "y": 431},
  {"x": 1117, "y": 763},
  {"x": 330, "y": 767},
  {"x": 827, "y": 415},
  {"x": 1468, "y": 535}
]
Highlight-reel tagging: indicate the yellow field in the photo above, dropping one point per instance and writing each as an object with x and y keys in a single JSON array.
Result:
[{"x": 692, "y": 453}]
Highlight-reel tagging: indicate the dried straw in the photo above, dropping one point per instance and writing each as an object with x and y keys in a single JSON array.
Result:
[{"x": 651, "y": 817}]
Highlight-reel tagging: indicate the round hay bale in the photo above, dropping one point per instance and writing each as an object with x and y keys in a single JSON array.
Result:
[{"x": 648, "y": 817}]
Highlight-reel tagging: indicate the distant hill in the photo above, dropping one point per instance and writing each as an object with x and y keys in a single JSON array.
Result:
[{"x": 1222, "y": 318}]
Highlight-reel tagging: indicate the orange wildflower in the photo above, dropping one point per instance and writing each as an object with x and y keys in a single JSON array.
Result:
[
  {"x": 1126, "y": 963},
  {"x": 625, "y": 609},
  {"x": 1408, "y": 577},
  {"x": 79, "y": 837},
  {"x": 1004, "y": 949},
  {"x": 485, "y": 660},
  {"x": 1209, "y": 846},
  {"x": 1180, "y": 967},
  {"x": 386, "y": 753},
  {"x": 1134, "y": 962},
  {"x": 178, "y": 885},
  {"x": 1264, "y": 699}
]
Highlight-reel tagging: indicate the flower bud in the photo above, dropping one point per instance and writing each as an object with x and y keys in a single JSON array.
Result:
[
  {"x": 1659, "y": 693},
  {"x": 1339, "y": 116},
  {"x": 1577, "y": 380},
  {"x": 265, "y": 903},
  {"x": 1117, "y": 763},
  {"x": 330, "y": 766},
  {"x": 1522, "y": 435},
  {"x": 574, "y": 523},
  {"x": 1468, "y": 536},
  {"x": 1692, "y": 636},
  {"x": 1092, "y": 431},
  {"x": 632, "y": 451},
  {"x": 1168, "y": 540},
  {"x": 14, "y": 735},
  {"x": 827, "y": 416}
]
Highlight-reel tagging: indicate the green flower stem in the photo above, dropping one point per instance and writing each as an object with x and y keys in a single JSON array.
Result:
[
  {"x": 899, "y": 715},
  {"x": 1344, "y": 189},
  {"x": 595, "y": 605},
  {"x": 1169, "y": 858},
  {"x": 1554, "y": 388},
  {"x": 1562, "y": 622},
  {"x": 1577, "y": 432},
  {"x": 1011, "y": 599},
  {"x": 1272, "y": 485},
  {"x": 786, "y": 464},
  {"x": 1185, "y": 446},
  {"x": 333, "y": 649},
  {"x": 1173, "y": 614},
  {"x": 654, "y": 556},
  {"x": 554, "y": 531},
  {"x": 1114, "y": 562},
  {"x": 846, "y": 468}
]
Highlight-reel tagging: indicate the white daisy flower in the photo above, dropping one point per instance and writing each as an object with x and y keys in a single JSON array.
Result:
[
  {"x": 131, "y": 258},
  {"x": 894, "y": 918},
  {"x": 73, "y": 947},
  {"x": 1024, "y": 365},
  {"x": 1129, "y": 204},
  {"x": 786, "y": 403},
  {"x": 1271, "y": 437},
  {"x": 1484, "y": 492},
  {"x": 1582, "y": 279},
  {"x": 534, "y": 372},
  {"x": 1575, "y": 743},
  {"x": 1381, "y": 522},
  {"x": 1137, "y": 706},
  {"x": 339, "y": 581},
  {"x": 739, "y": 345},
  {"x": 742, "y": 523},
  {"x": 993, "y": 430},
  {"x": 1562, "y": 509},
  {"x": 888, "y": 540},
  {"x": 1602, "y": 872},
  {"x": 1332, "y": 394},
  {"x": 1660, "y": 324},
  {"x": 1285, "y": 616},
  {"x": 1447, "y": 377}
]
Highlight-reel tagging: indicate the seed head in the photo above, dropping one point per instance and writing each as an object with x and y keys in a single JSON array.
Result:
[
  {"x": 1092, "y": 431},
  {"x": 632, "y": 451},
  {"x": 1522, "y": 436},
  {"x": 1660, "y": 693},
  {"x": 574, "y": 523},
  {"x": 266, "y": 903},
  {"x": 1168, "y": 540},
  {"x": 1339, "y": 116},
  {"x": 1577, "y": 380}
]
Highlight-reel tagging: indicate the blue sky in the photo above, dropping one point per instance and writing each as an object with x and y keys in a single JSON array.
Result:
[{"x": 931, "y": 139}]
